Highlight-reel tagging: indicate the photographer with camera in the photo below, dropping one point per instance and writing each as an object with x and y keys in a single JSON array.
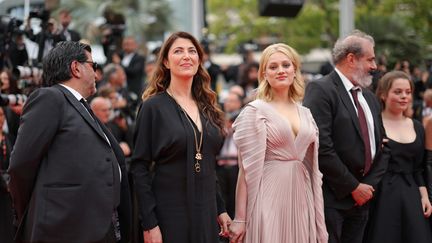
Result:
[
  {"x": 14, "y": 57},
  {"x": 17, "y": 47},
  {"x": 49, "y": 35},
  {"x": 11, "y": 41},
  {"x": 112, "y": 34}
]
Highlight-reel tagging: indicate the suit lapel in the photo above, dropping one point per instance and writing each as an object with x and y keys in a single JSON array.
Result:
[
  {"x": 81, "y": 110},
  {"x": 346, "y": 100}
]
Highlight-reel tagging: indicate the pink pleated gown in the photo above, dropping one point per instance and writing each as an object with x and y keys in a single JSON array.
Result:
[{"x": 284, "y": 202}]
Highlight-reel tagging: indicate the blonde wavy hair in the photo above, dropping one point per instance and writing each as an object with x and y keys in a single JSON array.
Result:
[{"x": 296, "y": 90}]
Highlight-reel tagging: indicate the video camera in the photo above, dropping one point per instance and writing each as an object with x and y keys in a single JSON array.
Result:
[
  {"x": 112, "y": 38},
  {"x": 112, "y": 32}
]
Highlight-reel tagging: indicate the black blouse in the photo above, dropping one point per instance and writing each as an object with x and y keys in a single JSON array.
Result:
[{"x": 184, "y": 203}]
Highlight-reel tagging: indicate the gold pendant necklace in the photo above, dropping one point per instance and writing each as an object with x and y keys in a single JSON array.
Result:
[
  {"x": 198, "y": 155},
  {"x": 198, "y": 146}
]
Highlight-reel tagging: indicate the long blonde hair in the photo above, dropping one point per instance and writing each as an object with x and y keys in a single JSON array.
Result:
[
  {"x": 201, "y": 92},
  {"x": 296, "y": 90}
]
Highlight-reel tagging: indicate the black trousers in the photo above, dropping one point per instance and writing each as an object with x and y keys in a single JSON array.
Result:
[{"x": 346, "y": 226}]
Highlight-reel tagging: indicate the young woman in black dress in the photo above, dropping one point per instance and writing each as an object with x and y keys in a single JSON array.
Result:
[{"x": 401, "y": 207}]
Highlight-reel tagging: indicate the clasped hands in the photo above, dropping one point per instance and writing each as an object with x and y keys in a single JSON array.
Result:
[
  {"x": 233, "y": 229},
  {"x": 362, "y": 194},
  {"x": 224, "y": 221},
  {"x": 237, "y": 231}
]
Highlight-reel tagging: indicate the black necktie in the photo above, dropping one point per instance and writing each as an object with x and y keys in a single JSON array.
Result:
[
  {"x": 93, "y": 116},
  {"x": 90, "y": 111},
  {"x": 364, "y": 131}
]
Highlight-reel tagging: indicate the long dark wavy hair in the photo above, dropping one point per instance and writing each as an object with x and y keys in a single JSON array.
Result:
[{"x": 205, "y": 98}]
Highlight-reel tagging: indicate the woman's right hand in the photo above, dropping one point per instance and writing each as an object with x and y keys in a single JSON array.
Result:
[
  {"x": 237, "y": 231},
  {"x": 153, "y": 236}
]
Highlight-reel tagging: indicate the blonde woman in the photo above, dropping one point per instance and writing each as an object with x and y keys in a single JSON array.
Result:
[{"x": 279, "y": 196}]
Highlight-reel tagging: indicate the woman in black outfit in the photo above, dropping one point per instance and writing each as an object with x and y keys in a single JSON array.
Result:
[
  {"x": 401, "y": 206},
  {"x": 178, "y": 135}
]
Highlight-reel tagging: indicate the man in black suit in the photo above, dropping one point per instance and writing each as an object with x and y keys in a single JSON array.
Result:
[
  {"x": 46, "y": 39},
  {"x": 352, "y": 156},
  {"x": 133, "y": 64},
  {"x": 67, "y": 34},
  {"x": 68, "y": 179}
]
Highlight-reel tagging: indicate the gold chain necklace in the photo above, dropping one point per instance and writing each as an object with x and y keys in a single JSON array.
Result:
[{"x": 198, "y": 146}]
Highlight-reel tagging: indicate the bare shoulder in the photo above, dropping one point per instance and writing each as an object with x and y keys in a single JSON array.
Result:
[{"x": 427, "y": 122}]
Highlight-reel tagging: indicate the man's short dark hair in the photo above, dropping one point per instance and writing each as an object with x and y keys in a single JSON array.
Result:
[{"x": 56, "y": 64}]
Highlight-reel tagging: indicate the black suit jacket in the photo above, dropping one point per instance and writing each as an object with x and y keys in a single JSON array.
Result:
[
  {"x": 74, "y": 36},
  {"x": 63, "y": 172},
  {"x": 341, "y": 148},
  {"x": 135, "y": 74}
]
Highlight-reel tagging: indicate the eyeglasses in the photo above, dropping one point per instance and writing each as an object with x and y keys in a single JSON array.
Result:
[{"x": 94, "y": 65}]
